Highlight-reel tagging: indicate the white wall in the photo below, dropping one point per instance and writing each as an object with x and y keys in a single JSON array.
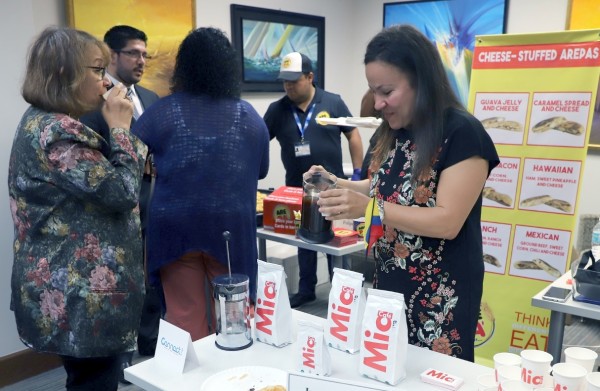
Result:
[
  {"x": 349, "y": 26},
  {"x": 20, "y": 21}
]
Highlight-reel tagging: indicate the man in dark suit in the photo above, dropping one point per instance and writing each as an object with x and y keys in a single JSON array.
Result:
[{"x": 128, "y": 56}]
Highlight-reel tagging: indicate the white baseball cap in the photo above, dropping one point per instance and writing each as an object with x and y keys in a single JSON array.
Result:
[{"x": 294, "y": 65}]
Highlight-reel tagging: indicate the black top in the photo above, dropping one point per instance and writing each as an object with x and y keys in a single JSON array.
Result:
[
  {"x": 325, "y": 142},
  {"x": 442, "y": 280}
]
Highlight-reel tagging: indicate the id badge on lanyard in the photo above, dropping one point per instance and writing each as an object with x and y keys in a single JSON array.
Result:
[{"x": 302, "y": 148}]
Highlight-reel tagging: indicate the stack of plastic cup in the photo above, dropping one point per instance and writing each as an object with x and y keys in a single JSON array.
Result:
[
  {"x": 487, "y": 382},
  {"x": 593, "y": 381},
  {"x": 505, "y": 359},
  {"x": 535, "y": 368},
  {"x": 568, "y": 376},
  {"x": 582, "y": 356},
  {"x": 508, "y": 373},
  {"x": 515, "y": 385}
]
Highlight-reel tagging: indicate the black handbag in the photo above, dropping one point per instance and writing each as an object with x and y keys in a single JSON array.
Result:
[{"x": 587, "y": 277}]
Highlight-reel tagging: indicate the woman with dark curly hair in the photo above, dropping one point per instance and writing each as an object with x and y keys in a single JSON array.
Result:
[{"x": 210, "y": 149}]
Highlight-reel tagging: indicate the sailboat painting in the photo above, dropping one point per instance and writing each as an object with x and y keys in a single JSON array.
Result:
[
  {"x": 452, "y": 26},
  {"x": 263, "y": 37}
]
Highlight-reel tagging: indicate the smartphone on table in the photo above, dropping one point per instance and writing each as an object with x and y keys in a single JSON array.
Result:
[{"x": 559, "y": 295}]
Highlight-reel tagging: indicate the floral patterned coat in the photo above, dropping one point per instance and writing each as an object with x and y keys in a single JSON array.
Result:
[{"x": 77, "y": 277}]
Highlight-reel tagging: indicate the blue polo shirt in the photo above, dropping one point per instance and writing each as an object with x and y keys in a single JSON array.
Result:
[{"x": 325, "y": 141}]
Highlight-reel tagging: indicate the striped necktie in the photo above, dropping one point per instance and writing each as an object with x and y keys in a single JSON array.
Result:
[{"x": 136, "y": 112}]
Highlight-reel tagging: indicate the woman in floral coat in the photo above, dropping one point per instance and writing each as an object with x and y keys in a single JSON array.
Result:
[{"x": 77, "y": 279}]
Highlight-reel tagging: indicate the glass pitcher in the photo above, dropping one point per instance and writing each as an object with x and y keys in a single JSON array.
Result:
[
  {"x": 232, "y": 311},
  {"x": 313, "y": 226}
]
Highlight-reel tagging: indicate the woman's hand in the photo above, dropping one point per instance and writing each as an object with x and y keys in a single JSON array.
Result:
[
  {"x": 338, "y": 204},
  {"x": 118, "y": 108},
  {"x": 319, "y": 169}
]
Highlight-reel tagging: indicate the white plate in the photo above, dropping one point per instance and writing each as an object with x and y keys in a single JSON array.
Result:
[{"x": 245, "y": 379}]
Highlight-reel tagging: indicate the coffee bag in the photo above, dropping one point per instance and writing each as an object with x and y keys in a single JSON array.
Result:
[
  {"x": 384, "y": 341},
  {"x": 312, "y": 353},
  {"x": 272, "y": 313},
  {"x": 346, "y": 307}
]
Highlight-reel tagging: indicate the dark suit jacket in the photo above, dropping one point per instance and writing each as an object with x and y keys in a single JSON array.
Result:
[{"x": 96, "y": 121}]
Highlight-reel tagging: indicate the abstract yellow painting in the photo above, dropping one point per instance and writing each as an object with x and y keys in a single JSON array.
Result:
[
  {"x": 165, "y": 23},
  {"x": 584, "y": 14}
]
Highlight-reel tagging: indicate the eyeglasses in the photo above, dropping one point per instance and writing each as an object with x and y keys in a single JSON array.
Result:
[
  {"x": 135, "y": 54},
  {"x": 101, "y": 71}
]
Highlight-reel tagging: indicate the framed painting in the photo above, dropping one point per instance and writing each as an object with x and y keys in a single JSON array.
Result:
[
  {"x": 263, "y": 37},
  {"x": 166, "y": 23},
  {"x": 594, "y": 143},
  {"x": 583, "y": 15},
  {"x": 452, "y": 26}
]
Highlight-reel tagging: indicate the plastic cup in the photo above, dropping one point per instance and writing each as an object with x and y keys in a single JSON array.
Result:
[
  {"x": 568, "y": 376},
  {"x": 515, "y": 385},
  {"x": 486, "y": 381},
  {"x": 582, "y": 356},
  {"x": 593, "y": 381},
  {"x": 505, "y": 359},
  {"x": 507, "y": 373},
  {"x": 535, "y": 367}
]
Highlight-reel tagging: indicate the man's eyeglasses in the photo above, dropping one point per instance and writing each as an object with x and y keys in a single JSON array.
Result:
[
  {"x": 135, "y": 54},
  {"x": 101, "y": 71}
]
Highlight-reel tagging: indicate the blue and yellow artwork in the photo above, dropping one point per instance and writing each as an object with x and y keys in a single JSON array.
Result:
[{"x": 452, "y": 26}]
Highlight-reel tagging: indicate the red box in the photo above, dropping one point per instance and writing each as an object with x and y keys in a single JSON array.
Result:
[
  {"x": 279, "y": 208},
  {"x": 343, "y": 237}
]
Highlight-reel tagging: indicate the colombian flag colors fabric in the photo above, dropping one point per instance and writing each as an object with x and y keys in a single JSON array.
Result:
[{"x": 373, "y": 225}]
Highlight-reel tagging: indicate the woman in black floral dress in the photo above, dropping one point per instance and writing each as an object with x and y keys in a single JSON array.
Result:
[{"x": 430, "y": 165}]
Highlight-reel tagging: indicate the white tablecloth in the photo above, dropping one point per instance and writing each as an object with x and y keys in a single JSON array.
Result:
[{"x": 151, "y": 376}]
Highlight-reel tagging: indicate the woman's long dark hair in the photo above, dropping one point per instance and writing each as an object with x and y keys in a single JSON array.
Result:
[
  {"x": 412, "y": 53},
  {"x": 207, "y": 64}
]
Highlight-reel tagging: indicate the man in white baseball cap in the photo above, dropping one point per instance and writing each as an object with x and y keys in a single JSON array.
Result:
[
  {"x": 305, "y": 143},
  {"x": 293, "y": 66}
]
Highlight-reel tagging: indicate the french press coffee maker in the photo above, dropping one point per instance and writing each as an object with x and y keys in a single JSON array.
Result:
[
  {"x": 232, "y": 308},
  {"x": 313, "y": 226}
]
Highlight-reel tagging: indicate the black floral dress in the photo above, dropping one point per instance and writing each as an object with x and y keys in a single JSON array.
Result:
[{"x": 442, "y": 280}]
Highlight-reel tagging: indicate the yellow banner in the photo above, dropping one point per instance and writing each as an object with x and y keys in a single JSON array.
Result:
[{"x": 535, "y": 94}]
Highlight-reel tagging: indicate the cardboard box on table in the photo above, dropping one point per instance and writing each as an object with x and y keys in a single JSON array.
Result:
[{"x": 279, "y": 207}]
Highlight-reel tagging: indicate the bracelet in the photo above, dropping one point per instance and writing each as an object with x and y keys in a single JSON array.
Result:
[
  {"x": 331, "y": 176},
  {"x": 380, "y": 208}
]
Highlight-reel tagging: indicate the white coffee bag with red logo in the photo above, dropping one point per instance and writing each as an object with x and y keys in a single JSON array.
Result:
[
  {"x": 384, "y": 337},
  {"x": 346, "y": 307},
  {"x": 272, "y": 312},
  {"x": 312, "y": 354}
]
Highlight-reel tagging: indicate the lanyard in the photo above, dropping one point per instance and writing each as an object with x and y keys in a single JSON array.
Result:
[{"x": 302, "y": 128}]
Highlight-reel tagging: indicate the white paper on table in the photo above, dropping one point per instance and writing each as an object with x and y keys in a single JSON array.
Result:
[
  {"x": 302, "y": 381},
  {"x": 174, "y": 349}
]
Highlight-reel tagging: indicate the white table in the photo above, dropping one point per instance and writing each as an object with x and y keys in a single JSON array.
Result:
[
  {"x": 151, "y": 376},
  {"x": 263, "y": 235},
  {"x": 558, "y": 311}
]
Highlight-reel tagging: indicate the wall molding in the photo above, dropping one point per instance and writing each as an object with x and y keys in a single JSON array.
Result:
[{"x": 24, "y": 364}]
